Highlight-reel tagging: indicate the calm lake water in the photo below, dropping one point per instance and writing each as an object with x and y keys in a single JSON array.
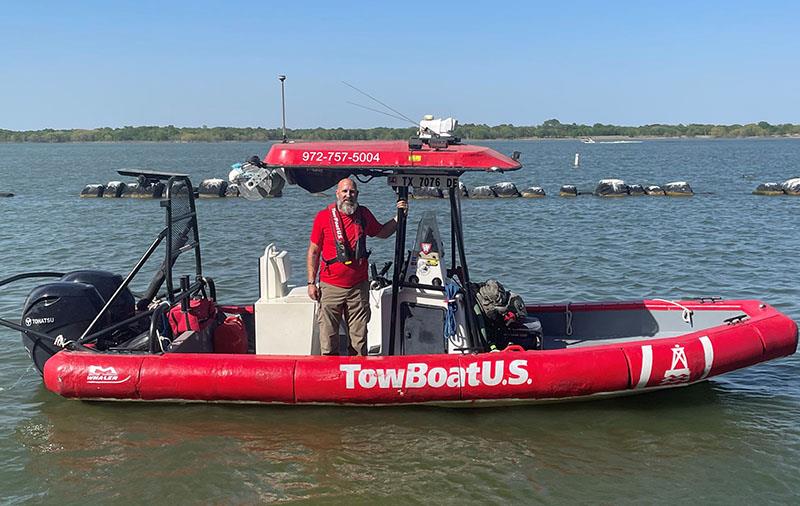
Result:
[{"x": 732, "y": 439}]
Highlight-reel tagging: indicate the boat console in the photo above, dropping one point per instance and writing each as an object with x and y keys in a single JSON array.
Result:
[{"x": 286, "y": 319}]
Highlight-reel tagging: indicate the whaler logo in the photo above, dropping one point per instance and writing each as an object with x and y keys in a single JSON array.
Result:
[
  {"x": 38, "y": 321},
  {"x": 100, "y": 374},
  {"x": 419, "y": 375}
]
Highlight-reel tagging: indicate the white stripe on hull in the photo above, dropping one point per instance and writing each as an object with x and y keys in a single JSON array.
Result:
[
  {"x": 708, "y": 350},
  {"x": 647, "y": 366}
]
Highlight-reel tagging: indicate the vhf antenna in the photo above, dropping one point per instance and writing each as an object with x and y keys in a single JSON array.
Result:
[
  {"x": 282, "y": 78},
  {"x": 400, "y": 114}
]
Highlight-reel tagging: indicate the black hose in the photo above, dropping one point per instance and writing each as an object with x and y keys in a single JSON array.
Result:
[{"x": 44, "y": 274}]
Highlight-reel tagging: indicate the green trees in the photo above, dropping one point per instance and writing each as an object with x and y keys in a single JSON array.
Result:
[{"x": 552, "y": 128}]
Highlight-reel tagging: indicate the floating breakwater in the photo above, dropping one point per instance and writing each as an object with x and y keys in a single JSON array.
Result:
[
  {"x": 220, "y": 188},
  {"x": 788, "y": 187}
]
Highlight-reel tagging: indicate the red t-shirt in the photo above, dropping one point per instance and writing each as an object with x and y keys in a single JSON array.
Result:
[{"x": 337, "y": 273}]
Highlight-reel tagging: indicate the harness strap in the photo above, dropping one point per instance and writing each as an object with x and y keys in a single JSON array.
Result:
[{"x": 344, "y": 252}]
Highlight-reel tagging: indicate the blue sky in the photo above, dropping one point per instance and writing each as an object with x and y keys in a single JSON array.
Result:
[{"x": 87, "y": 64}]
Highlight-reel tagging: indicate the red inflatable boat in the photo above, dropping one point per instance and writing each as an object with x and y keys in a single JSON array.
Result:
[
  {"x": 431, "y": 339},
  {"x": 584, "y": 365}
]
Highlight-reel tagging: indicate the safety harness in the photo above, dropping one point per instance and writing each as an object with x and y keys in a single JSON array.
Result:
[{"x": 345, "y": 253}]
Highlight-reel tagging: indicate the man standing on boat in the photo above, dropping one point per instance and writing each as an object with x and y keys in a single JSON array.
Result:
[{"x": 339, "y": 238}]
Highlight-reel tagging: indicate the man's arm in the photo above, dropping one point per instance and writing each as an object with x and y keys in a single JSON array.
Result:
[
  {"x": 312, "y": 266},
  {"x": 387, "y": 229}
]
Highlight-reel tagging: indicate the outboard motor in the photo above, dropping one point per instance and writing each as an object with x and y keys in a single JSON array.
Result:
[
  {"x": 58, "y": 309},
  {"x": 123, "y": 307},
  {"x": 66, "y": 308}
]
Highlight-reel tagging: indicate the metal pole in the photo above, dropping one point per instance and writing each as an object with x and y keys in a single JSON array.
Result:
[
  {"x": 475, "y": 337},
  {"x": 451, "y": 194},
  {"x": 399, "y": 255},
  {"x": 282, "y": 78},
  {"x": 126, "y": 281}
]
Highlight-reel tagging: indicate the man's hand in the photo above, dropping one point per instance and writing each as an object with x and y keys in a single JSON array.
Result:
[
  {"x": 313, "y": 292},
  {"x": 403, "y": 204}
]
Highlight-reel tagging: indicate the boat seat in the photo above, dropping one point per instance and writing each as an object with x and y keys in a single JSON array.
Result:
[{"x": 274, "y": 273}]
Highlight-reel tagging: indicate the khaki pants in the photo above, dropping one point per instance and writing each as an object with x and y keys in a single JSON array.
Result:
[{"x": 353, "y": 304}]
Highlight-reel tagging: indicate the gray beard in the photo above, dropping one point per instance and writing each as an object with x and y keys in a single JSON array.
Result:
[{"x": 347, "y": 208}]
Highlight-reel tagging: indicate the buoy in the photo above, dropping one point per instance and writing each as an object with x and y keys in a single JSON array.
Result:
[
  {"x": 611, "y": 188},
  {"x": 654, "y": 190},
  {"x": 482, "y": 192},
  {"x": 146, "y": 191},
  {"x": 636, "y": 190},
  {"x": 92, "y": 191},
  {"x": 769, "y": 189},
  {"x": 505, "y": 190},
  {"x": 212, "y": 188},
  {"x": 113, "y": 189},
  {"x": 232, "y": 190},
  {"x": 791, "y": 186},
  {"x": 568, "y": 190},
  {"x": 427, "y": 192},
  {"x": 534, "y": 192},
  {"x": 678, "y": 189},
  {"x": 577, "y": 161}
]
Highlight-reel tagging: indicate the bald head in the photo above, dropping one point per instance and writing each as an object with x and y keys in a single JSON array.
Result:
[{"x": 347, "y": 196}]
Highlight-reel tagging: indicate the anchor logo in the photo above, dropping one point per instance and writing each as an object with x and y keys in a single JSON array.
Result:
[{"x": 677, "y": 374}]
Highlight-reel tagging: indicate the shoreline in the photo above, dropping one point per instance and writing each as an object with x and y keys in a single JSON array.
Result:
[
  {"x": 601, "y": 138},
  {"x": 470, "y": 139}
]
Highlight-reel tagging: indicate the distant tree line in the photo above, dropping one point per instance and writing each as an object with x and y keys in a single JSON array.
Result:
[{"x": 549, "y": 129}]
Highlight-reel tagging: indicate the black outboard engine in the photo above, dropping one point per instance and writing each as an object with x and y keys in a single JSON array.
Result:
[
  {"x": 123, "y": 307},
  {"x": 58, "y": 309},
  {"x": 66, "y": 308}
]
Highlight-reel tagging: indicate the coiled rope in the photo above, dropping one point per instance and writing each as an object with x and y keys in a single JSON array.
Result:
[
  {"x": 687, "y": 313},
  {"x": 568, "y": 330}
]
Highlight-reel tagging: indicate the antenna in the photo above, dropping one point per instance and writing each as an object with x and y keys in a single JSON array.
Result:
[
  {"x": 282, "y": 78},
  {"x": 378, "y": 101},
  {"x": 378, "y": 111}
]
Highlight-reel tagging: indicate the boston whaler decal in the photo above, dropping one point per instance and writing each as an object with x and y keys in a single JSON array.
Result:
[
  {"x": 419, "y": 375},
  {"x": 99, "y": 374}
]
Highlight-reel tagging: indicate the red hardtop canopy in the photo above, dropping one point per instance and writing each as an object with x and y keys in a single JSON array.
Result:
[{"x": 361, "y": 156}]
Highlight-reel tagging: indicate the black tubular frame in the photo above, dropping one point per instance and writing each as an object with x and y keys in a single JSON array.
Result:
[
  {"x": 474, "y": 337},
  {"x": 399, "y": 257},
  {"x": 184, "y": 245},
  {"x": 178, "y": 185},
  {"x": 173, "y": 181},
  {"x": 475, "y": 340}
]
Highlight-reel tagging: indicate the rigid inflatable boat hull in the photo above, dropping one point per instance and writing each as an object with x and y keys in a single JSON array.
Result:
[{"x": 506, "y": 377}]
